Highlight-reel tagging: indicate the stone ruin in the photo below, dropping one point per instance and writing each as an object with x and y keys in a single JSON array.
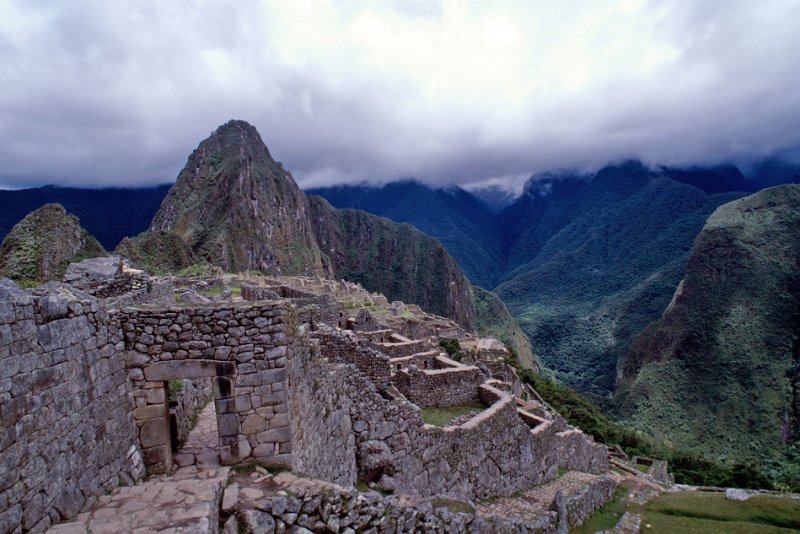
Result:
[{"x": 296, "y": 384}]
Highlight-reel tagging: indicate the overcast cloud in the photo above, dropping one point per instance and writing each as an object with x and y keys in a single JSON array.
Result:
[{"x": 119, "y": 93}]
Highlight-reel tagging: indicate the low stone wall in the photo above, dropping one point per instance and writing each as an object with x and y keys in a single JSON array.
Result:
[
  {"x": 256, "y": 293},
  {"x": 439, "y": 387},
  {"x": 66, "y": 428},
  {"x": 398, "y": 350},
  {"x": 340, "y": 346},
  {"x": 580, "y": 452},
  {"x": 157, "y": 292},
  {"x": 575, "y": 509},
  {"x": 320, "y": 507},
  {"x": 113, "y": 287},
  {"x": 183, "y": 406}
]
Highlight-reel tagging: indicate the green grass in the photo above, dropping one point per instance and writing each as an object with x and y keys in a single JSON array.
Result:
[
  {"x": 175, "y": 387},
  {"x": 608, "y": 516},
  {"x": 686, "y": 466},
  {"x": 442, "y": 416},
  {"x": 693, "y": 512}
]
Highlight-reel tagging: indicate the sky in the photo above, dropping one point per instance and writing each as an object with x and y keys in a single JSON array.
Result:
[{"x": 100, "y": 93}]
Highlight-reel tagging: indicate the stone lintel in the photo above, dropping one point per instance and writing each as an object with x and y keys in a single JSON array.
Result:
[{"x": 177, "y": 369}]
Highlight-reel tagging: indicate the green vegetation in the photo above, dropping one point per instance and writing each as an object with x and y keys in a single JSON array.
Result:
[
  {"x": 696, "y": 512},
  {"x": 608, "y": 516},
  {"x": 174, "y": 387},
  {"x": 687, "y": 467},
  {"x": 202, "y": 268},
  {"x": 41, "y": 246},
  {"x": 718, "y": 374},
  {"x": 492, "y": 319},
  {"x": 442, "y": 416},
  {"x": 453, "y": 349}
]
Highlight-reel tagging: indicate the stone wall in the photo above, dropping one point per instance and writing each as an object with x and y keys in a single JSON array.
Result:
[
  {"x": 66, "y": 428},
  {"x": 580, "y": 452},
  {"x": 323, "y": 443},
  {"x": 256, "y": 293},
  {"x": 452, "y": 386},
  {"x": 243, "y": 349},
  {"x": 157, "y": 292},
  {"x": 323, "y": 507},
  {"x": 340, "y": 346},
  {"x": 320, "y": 507},
  {"x": 398, "y": 350}
]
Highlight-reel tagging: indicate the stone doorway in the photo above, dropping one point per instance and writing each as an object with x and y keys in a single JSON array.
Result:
[{"x": 153, "y": 419}]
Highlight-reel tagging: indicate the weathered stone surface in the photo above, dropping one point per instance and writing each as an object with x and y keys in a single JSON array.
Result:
[
  {"x": 93, "y": 270},
  {"x": 177, "y": 369}
]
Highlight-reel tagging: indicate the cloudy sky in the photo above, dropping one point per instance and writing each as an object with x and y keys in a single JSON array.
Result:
[{"x": 120, "y": 92}]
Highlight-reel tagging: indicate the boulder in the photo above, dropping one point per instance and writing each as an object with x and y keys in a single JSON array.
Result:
[{"x": 94, "y": 270}]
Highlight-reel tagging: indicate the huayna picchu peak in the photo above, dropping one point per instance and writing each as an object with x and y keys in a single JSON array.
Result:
[{"x": 238, "y": 208}]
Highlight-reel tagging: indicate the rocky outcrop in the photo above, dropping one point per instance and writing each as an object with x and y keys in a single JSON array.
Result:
[
  {"x": 41, "y": 245},
  {"x": 238, "y": 208},
  {"x": 719, "y": 371}
]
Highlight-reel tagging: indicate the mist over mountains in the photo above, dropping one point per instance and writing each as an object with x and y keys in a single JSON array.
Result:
[{"x": 583, "y": 261}]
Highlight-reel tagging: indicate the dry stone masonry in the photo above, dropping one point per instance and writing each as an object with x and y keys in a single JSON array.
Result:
[{"x": 308, "y": 380}]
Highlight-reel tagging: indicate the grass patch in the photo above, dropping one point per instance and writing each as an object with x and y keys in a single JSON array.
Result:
[
  {"x": 175, "y": 387},
  {"x": 692, "y": 512},
  {"x": 607, "y": 517},
  {"x": 442, "y": 416}
]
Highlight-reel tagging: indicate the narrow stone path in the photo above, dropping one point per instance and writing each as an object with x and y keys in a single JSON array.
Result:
[
  {"x": 185, "y": 501},
  {"x": 202, "y": 445}
]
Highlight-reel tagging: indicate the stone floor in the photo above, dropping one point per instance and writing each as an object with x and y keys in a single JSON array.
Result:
[
  {"x": 201, "y": 447},
  {"x": 535, "y": 502},
  {"x": 185, "y": 501}
]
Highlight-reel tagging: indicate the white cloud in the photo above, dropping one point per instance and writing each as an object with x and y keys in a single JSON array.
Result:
[{"x": 452, "y": 91}]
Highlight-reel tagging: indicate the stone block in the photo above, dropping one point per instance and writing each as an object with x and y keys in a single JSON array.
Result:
[
  {"x": 223, "y": 387},
  {"x": 233, "y": 454},
  {"x": 228, "y": 424},
  {"x": 253, "y": 424},
  {"x": 179, "y": 369},
  {"x": 273, "y": 375},
  {"x": 225, "y": 405},
  {"x": 157, "y": 459},
  {"x": 149, "y": 412},
  {"x": 156, "y": 395},
  {"x": 154, "y": 432},
  {"x": 243, "y": 403},
  {"x": 275, "y": 435}
]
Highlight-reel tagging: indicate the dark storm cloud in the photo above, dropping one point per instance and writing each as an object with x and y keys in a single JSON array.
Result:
[{"x": 102, "y": 93}]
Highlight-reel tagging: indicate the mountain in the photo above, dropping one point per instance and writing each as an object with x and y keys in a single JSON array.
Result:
[
  {"x": 582, "y": 261},
  {"x": 406, "y": 264},
  {"x": 108, "y": 214},
  {"x": 593, "y": 259},
  {"x": 40, "y": 246},
  {"x": 720, "y": 369},
  {"x": 236, "y": 207},
  {"x": 495, "y": 197},
  {"x": 463, "y": 224}
]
